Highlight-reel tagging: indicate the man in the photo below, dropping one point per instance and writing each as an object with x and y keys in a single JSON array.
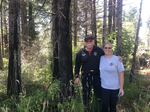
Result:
[{"x": 87, "y": 59}]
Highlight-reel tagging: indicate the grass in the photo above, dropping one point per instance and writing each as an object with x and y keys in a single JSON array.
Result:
[{"x": 136, "y": 98}]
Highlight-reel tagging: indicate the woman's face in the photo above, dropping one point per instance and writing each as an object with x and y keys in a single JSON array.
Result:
[{"x": 108, "y": 49}]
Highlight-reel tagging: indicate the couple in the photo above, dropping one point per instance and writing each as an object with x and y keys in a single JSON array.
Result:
[{"x": 101, "y": 70}]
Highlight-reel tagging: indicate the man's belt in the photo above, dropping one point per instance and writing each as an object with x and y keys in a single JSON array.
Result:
[{"x": 91, "y": 72}]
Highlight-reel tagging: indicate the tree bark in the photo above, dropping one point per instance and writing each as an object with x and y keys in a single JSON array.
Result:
[
  {"x": 2, "y": 31},
  {"x": 133, "y": 67},
  {"x": 31, "y": 24},
  {"x": 54, "y": 37},
  {"x": 114, "y": 15},
  {"x": 119, "y": 27},
  {"x": 86, "y": 18},
  {"x": 75, "y": 6},
  {"x": 14, "y": 67},
  {"x": 110, "y": 17},
  {"x": 93, "y": 21},
  {"x": 24, "y": 24},
  {"x": 1, "y": 42},
  {"x": 104, "y": 23},
  {"x": 64, "y": 46}
]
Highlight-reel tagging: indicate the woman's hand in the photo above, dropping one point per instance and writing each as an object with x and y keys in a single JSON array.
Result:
[{"x": 121, "y": 92}]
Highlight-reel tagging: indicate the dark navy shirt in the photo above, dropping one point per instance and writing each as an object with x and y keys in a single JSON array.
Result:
[{"x": 88, "y": 62}]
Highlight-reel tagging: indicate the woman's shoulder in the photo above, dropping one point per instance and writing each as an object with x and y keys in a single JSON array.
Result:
[{"x": 115, "y": 57}]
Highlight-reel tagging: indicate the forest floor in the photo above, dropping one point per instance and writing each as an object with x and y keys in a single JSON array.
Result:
[{"x": 136, "y": 98}]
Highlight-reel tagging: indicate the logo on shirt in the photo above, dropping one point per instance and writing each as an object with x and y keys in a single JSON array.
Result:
[
  {"x": 83, "y": 54},
  {"x": 95, "y": 53},
  {"x": 111, "y": 64}
]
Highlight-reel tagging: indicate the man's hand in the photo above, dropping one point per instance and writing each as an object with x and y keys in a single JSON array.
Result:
[{"x": 77, "y": 81}]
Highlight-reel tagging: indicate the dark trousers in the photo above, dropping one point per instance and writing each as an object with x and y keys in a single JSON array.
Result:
[
  {"x": 109, "y": 100},
  {"x": 88, "y": 82}
]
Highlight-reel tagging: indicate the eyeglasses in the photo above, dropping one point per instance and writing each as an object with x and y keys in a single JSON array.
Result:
[{"x": 107, "y": 47}]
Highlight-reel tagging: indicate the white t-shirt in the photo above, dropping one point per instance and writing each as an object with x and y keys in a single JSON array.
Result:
[{"x": 109, "y": 72}]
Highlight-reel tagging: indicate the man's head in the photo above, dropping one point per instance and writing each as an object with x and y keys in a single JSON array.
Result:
[{"x": 89, "y": 41}]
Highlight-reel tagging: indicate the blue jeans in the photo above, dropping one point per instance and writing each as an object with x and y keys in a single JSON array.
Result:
[{"x": 109, "y": 100}]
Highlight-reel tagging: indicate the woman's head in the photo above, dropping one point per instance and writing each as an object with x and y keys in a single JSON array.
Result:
[{"x": 108, "y": 48}]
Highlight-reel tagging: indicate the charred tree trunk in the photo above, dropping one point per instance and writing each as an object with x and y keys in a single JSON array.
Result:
[
  {"x": 54, "y": 37},
  {"x": 14, "y": 67},
  {"x": 64, "y": 46}
]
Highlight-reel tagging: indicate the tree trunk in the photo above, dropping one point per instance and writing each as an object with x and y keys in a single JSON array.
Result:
[
  {"x": 2, "y": 31},
  {"x": 64, "y": 46},
  {"x": 75, "y": 6},
  {"x": 132, "y": 72},
  {"x": 119, "y": 27},
  {"x": 114, "y": 15},
  {"x": 104, "y": 23},
  {"x": 54, "y": 37},
  {"x": 14, "y": 67},
  {"x": 93, "y": 21},
  {"x": 24, "y": 24},
  {"x": 1, "y": 42},
  {"x": 31, "y": 24},
  {"x": 110, "y": 17},
  {"x": 86, "y": 18},
  {"x": 6, "y": 33}
]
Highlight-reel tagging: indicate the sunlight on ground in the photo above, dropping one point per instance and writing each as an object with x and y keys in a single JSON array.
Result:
[{"x": 144, "y": 72}]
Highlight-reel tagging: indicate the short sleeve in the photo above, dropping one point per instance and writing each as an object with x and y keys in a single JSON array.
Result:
[{"x": 120, "y": 66}]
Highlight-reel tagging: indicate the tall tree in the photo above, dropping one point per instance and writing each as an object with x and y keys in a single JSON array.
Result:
[
  {"x": 86, "y": 16},
  {"x": 14, "y": 67},
  {"x": 64, "y": 45},
  {"x": 119, "y": 26},
  {"x": 104, "y": 23},
  {"x": 110, "y": 16},
  {"x": 61, "y": 37},
  {"x": 1, "y": 42},
  {"x": 24, "y": 24},
  {"x": 2, "y": 31},
  {"x": 75, "y": 9},
  {"x": 132, "y": 72},
  {"x": 31, "y": 24},
  {"x": 114, "y": 15},
  {"x": 54, "y": 38},
  {"x": 93, "y": 20}
]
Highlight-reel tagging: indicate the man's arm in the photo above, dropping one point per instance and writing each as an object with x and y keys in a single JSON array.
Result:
[
  {"x": 77, "y": 65},
  {"x": 77, "y": 68}
]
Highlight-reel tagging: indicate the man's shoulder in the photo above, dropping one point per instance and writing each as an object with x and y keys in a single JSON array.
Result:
[
  {"x": 81, "y": 51},
  {"x": 98, "y": 48}
]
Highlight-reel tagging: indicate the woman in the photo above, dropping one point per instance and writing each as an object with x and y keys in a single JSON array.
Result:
[{"x": 112, "y": 79}]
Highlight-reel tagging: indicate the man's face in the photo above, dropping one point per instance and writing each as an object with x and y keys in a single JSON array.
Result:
[{"x": 89, "y": 43}]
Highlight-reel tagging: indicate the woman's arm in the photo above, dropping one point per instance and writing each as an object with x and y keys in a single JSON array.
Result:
[{"x": 121, "y": 80}]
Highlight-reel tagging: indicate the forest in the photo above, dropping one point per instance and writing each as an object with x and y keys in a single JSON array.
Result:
[{"x": 39, "y": 40}]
